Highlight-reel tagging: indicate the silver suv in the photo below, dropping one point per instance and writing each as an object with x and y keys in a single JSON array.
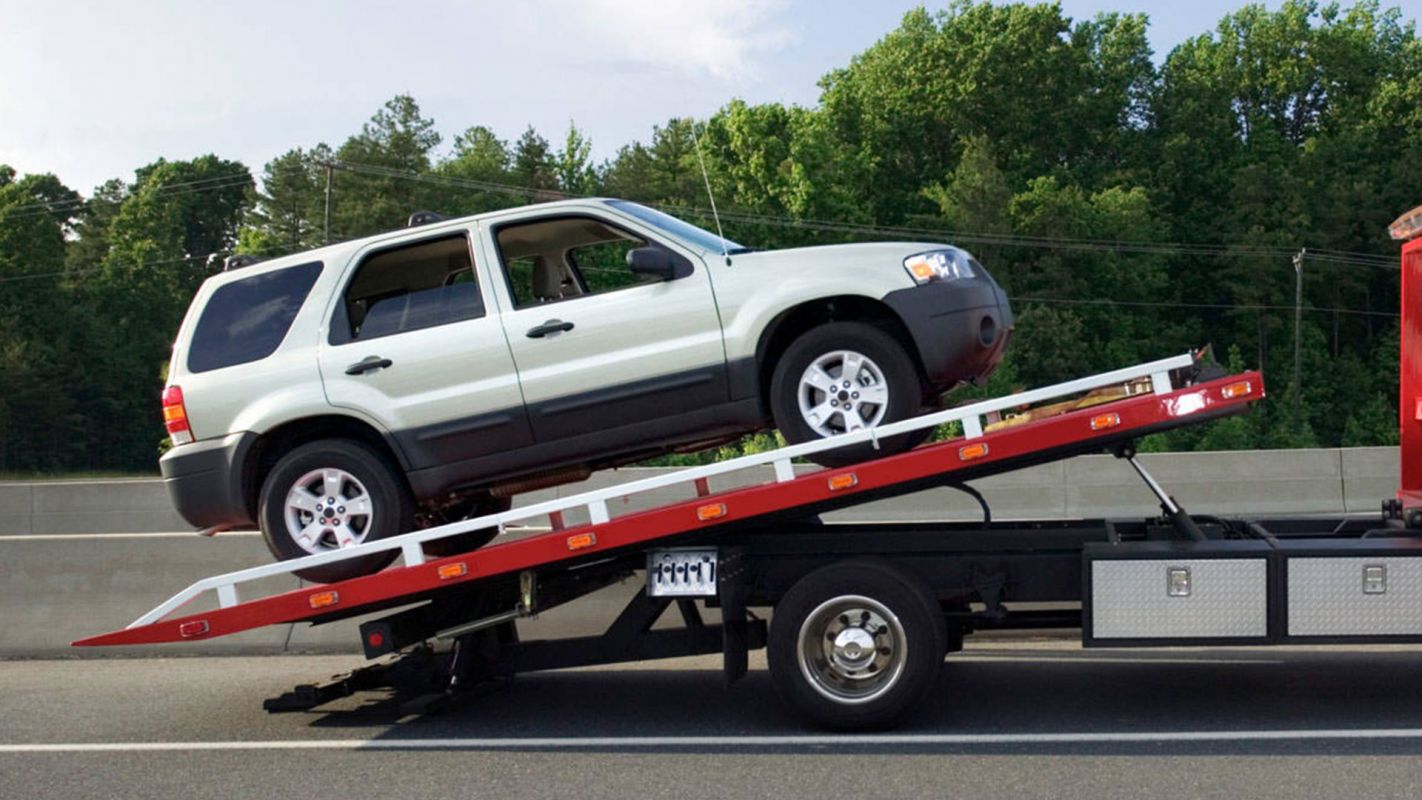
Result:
[{"x": 427, "y": 375}]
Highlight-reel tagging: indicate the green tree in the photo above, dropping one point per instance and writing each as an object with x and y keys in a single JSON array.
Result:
[{"x": 376, "y": 189}]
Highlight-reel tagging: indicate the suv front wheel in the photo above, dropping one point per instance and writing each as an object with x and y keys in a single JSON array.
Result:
[
  {"x": 843, "y": 377},
  {"x": 331, "y": 494}
]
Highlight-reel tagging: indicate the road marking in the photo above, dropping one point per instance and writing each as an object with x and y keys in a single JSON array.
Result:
[
  {"x": 51, "y": 537},
  {"x": 675, "y": 742}
]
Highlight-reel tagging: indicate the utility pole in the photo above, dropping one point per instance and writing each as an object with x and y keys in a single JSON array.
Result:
[
  {"x": 329, "y": 169},
  {"x": 1298, "y": 324}
]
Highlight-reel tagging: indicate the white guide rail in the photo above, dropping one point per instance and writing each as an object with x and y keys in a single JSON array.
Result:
[{"x": 594, "y": 502}]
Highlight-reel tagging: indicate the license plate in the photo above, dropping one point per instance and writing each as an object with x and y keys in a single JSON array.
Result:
[{"x": 681, "y": 573}]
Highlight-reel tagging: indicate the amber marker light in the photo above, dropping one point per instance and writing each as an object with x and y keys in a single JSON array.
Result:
[
  {"x": 324, "y": 599},
  {"x": 712, "y": 511},
  {"x": 1101, "y": 422},
  {"x": 195, "y": 628},
  {"x": 847, "y": 480},
  {"x": 456, "y": 570},
  {"x": 972, "y": 452},
  {"x": 582, "y": 541},
  {"x": 1237, "y": 389}
]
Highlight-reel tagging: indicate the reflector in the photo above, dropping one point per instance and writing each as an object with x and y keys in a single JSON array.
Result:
[
  {"x": 455, "y": 570},
  {"x": 712, "y": 511},
  {"x": 1103, "y": 421},
  {"x": 1238, "y": 389},
  {"x": 972, "y": 451},
  {"x": 324, "y": 599}
]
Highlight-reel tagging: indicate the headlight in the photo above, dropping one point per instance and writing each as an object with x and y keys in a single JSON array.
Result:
[{"x": 937, "y": 265}]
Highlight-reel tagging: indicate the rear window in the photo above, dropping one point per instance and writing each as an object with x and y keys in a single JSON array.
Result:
[{"x": 246, "y": 320}]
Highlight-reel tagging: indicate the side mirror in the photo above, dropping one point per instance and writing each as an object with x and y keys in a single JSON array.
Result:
[{"x": 655, "y": 262}]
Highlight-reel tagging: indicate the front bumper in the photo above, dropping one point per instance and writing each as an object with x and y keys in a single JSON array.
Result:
[
  {"x": 204, "y": 481},
  {"x": 961, "y": 328}
]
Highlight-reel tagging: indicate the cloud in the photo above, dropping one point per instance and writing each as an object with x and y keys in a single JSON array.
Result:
[{"x": 726, "y": 39}]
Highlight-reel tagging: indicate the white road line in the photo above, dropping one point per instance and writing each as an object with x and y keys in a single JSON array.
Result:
[
  {"x": 51, "y": 537},
  {"x": 674, "y": 742}
]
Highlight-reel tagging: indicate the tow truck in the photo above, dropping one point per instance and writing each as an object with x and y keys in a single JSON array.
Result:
[{"x": 862, "y": 615}]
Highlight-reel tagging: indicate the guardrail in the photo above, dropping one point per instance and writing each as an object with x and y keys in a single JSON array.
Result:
[{"x": 67, "y": 577}]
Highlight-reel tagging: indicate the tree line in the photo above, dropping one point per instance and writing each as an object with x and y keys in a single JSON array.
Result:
[{"x": 1130, "y": 210}]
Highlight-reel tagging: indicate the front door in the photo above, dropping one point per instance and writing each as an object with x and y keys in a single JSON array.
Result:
[{"x": 597, "y": 346}]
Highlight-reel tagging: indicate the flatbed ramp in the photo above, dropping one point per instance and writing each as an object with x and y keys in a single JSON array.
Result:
[{"x": 1153, "y": 396}]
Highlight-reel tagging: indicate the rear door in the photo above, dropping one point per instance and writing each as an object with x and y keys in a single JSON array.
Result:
[
  {"x": 598, "y": 347},
  {"x": 411, "y": 345}
]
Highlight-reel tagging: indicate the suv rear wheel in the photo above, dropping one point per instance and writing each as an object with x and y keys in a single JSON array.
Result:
[
  {"x": 842, "y": 377},
  {"x": 331, "y": 494}
]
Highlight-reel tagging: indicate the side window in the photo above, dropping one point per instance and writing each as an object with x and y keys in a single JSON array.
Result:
[
  {"x": 408, "y": 288},
  {"x": 548, "y": 260},
  {"x": 247, "y": 319}
]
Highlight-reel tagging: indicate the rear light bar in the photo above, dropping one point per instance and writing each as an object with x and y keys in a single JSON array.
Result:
[
  {"x": 1408, "y": 226},
  {"x": 175, "y": 416}
]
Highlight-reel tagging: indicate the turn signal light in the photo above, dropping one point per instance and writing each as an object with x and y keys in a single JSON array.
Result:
[
  {"x": 972, "y": 452},
  {"x": 195, "y": 628},
  {"x": 1101, "y": 422},
  {"x": 847, "y": 480},
  {"x": 711, "y": 511},
  {"x": 456, "y": 570},
  {"x": 324, "y": 599},
  {"x": 175, "y": 416},
  {"x": 581, "y": 541},
  {"x": 1236, "y": 389}
]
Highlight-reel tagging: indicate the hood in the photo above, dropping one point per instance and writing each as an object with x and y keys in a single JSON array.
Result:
[{"x": 863, "y": 254}]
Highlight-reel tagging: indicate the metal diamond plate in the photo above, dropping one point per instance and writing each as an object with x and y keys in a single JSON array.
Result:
[
  {"x": 1228, "y": 598},
  {"x": 1326, "y": 597}
]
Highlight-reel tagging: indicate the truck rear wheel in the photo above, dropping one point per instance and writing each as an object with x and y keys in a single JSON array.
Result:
[
  {"x": 854, "y": 645},
  {"x": 328, "y": 495}
]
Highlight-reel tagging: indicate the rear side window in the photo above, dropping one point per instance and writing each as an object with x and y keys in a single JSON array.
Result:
[
  {"x": 408, "y": 288},
  {"x": 246, "y": 320}
]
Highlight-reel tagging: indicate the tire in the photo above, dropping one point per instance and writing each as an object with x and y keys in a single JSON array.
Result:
[
  {"x": 889, "y": 640},
  {"x": 343, "y": 470},
  {"x": 465, "y": 542},
  {"x": 884, "y": 364}
]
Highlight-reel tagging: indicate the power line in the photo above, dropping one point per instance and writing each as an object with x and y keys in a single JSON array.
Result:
[
  {"x": 1217, "y": 306},
  {"x": 1332, "y": 257},
  {"x": 41, "y": 209}
]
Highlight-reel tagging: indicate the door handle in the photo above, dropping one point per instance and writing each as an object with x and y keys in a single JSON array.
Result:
[
  {"x": 367, "y": 364},
  {"x": 551, "y": 326}
]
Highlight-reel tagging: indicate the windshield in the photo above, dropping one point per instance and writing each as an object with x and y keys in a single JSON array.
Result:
[{"x": 685, "y": 231}]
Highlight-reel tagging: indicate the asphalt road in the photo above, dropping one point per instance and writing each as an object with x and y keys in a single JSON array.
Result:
[{"x": 1010, "y": 719}]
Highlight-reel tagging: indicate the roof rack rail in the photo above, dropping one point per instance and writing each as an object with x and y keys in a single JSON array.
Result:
[
  {"x": 240, "y": 261},
  {"x": 424, "y": 218}
]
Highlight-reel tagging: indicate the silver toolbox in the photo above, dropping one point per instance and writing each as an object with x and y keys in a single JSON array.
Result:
[
  {"x": 1147, "y": 593},
  {"x": 1354, "y": 595}
]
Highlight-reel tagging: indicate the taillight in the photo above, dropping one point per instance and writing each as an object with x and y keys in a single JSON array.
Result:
[{"x": 175, "y": 416}]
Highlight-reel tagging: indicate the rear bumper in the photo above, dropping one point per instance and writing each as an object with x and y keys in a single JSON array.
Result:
[
  {"x": 204, "y": 481},
  {"x": 961, "y": 328}
]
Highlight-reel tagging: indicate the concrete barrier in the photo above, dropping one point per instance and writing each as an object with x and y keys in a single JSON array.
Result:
[{"x": 84, "y": 557}]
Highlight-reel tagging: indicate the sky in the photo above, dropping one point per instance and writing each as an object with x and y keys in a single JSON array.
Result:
[{"x": 92, "y": 90}]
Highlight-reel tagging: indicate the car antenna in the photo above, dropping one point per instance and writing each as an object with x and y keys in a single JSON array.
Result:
[{"x": 725, "y": 253}]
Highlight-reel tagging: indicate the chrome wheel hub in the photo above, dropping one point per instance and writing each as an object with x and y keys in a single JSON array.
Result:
[
  {"x": 852, "y": 649},
  {"x": 842, "y": 391},
  {"x": 327, "y": 509}
]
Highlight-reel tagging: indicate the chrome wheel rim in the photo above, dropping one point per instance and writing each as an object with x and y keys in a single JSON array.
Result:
[
  {"x": 328, "y": 509},
  {"x": 842, "y": 391},
  {"x": 852, "y": 649}
]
